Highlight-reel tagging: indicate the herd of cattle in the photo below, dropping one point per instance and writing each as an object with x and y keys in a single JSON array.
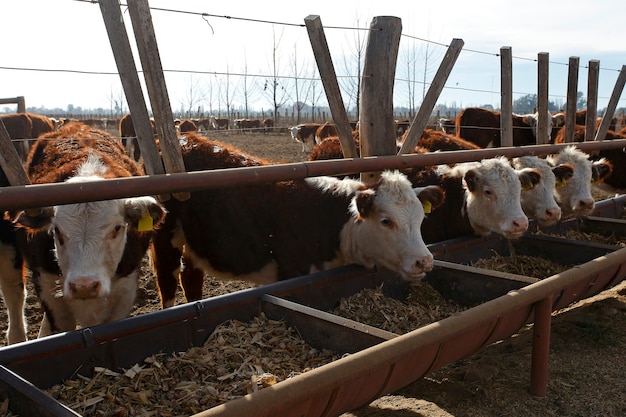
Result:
[{"x": 84, "y": 259}]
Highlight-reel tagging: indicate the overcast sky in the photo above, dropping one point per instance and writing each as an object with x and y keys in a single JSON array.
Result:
[{"x": 60, "y": 36}]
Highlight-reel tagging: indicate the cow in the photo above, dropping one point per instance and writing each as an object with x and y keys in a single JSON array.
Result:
[
  {"x": 447, "y": 125},
  {"x": 326, "y": 130},
  {"x": 203, "y": 124},
  {"x": 401, "y": 126},
  {"x": 481, "y": 197},
  {"x": 84, "y": 258},
  {"x": 268, "y": 125},
  {"x": 482, "y": 127},
  {"x": 575, "y": 197},
  {"x": 186, "y": 125},
  {"x": 12, "y": 285},
  {"x": 275, "y": 231},
  {"x": 539, "y": 202},
  {"x": 305, "y": 134},
  {"x": 219, "y": 123},
  {"x": 129, "y": 137}
]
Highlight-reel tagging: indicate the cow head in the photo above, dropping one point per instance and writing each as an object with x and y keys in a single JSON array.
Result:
[
  {"x": 538, "y": 200},
  {"x": 386, "y": 227},
  {"x": 493, "y": 196},
  {"x": 574, "y": 195},
  {"x": 90, "y": 240}
]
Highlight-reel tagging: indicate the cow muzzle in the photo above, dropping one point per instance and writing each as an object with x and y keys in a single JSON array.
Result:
[{"x": 84, "y": 288}]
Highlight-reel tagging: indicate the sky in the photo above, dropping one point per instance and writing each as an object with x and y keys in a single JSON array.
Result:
[{"x": 56, "y": 53}]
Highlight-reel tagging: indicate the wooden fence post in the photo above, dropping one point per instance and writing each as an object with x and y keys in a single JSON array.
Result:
[
  {"x": 506, "y": 96},
  {"x": 428, "y": 104},
  {"x": 331, "y": 86},
  {"x": 592, "y": 99},
  {"x": 542, "y": 135},
  {"x": 610, "y": 108},
  {"x": 572, "y": 98}
]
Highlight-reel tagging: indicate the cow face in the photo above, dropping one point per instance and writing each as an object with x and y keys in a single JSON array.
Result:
[
  {"x": 386, "y": 227},
  {"x": 538, "y": 200},
  {"x": 493, "y": 196},
  {"x": 574, "y": 195}
]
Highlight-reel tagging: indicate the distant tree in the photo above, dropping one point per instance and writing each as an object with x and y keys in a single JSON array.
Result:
[
  {"x": 353, "y": 66},
  {"x": 274, "y": 88},
  {"x": 528, "y": 104},
  {"x": 193, "y": 97},
  {"x": 581, "y": 101},
  {"x": 248, "y": 88}
]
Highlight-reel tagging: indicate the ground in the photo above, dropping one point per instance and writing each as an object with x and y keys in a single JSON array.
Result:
[{"x": 587, "y": 365}]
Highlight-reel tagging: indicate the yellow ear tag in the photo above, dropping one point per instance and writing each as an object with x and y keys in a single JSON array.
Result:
[
  {"x": 427, "y": 206},
  {"x": 145, "y": 223},
  {"x": 560, "y": 183},
  {"x": 527, "y": 187}
]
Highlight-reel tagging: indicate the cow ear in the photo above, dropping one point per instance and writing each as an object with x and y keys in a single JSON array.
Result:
[
  {"x": 32, "y": 219},
  {"x": 364, "y": 202},
  {"x": 563, "y": 172},
  {"x": 529, "y": 177},
  {"x": 431, "y": 196},
  {"x": 600, "y": 170},
  {"x": 144, "y": 213},
  {"x": 471, "y": 179}
]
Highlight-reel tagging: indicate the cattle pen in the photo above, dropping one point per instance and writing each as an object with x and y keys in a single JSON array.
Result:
[{"x": 376, "y": 362}]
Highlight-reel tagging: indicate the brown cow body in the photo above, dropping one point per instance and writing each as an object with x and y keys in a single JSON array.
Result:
[
  {"x": 305, "y": 134},
  {"x": 275, "y": 231},
  {"x": 326, "y": 130}
]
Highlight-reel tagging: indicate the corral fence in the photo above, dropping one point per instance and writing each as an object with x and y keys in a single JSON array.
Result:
[{"x": 378, "y": 153}]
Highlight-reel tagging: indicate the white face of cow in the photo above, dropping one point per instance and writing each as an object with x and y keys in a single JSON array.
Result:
[
  {"x": 538, "y": 202},
  {"x": 574, "y": 196},
  {"x": 90, "y": 239},
  {"x": 493, "y": 197},
  {"x": 386, "y": 229}
]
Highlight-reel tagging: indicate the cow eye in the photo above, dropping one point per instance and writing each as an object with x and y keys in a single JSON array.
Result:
[
  {"x": 59, "y": 236},
  {"x": 385, "y": 221}
]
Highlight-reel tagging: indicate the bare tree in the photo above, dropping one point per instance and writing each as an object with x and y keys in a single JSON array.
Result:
[
  {"x": 274, "y": 88},
  {"x": 353, "y": 63},
  {"x": 194, "y": 96},
  {"x": 228, "y": 92},
  {"x": 248, "y": 89}
]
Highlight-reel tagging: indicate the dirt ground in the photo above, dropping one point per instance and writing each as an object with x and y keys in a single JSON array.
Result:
[{"x": 587, "y": 364}]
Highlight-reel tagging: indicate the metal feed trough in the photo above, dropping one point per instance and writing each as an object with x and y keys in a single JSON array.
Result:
[{"x": 378, "y": 363}]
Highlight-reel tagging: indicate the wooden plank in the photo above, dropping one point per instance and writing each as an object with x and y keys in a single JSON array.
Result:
[
  {"x": 542, "y": 135},
  {"x": 425, "y": 110},
  {"x": 610, "y": 108},
  {"x": 326, "y": 69},
  {"x": 592, "y": 99},
  {"x": 572, "y": 98},
  {"x": 157, "y": 90},
  {"x": 9, "y": 159},
  {"x": 506, "y": 96},
  {"x": 118, "y": 37}
]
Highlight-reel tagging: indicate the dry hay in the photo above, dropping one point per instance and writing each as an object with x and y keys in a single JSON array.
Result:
[
  {"x": 423, "y": 306},
  {"x": 589, "y": 237},
  {"x": 530, "y": 266},
  {"x": 238, "y": 358}
]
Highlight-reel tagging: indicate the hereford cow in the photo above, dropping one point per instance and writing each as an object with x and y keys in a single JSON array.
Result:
[
  {"x": 275, "y": 231},
  {"x": 481, "y": 197},
  {"x": 539, "y": 201},
  {"x": 401, "y": 126},
  {"x": 482, "y": 127},
  {"x": 268, "y": 125},
  {"x": 219, "y": 123},
  {"x": 574, "y": 197},
  {"x": 305, "y": 134},
  {"x": 326, "y": 130},
  {"x": 84, "y": 257},
  {"x": 129, "y": 137},
  {"x": 187, "y": 125}
]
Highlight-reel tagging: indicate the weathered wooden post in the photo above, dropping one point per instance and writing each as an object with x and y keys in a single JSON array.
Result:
[
  {"x": 572, "y": 98},
  {"x": 331, "y": 86},
  {"x": 506, "y": 96},
  {"x": 610, "y": 108},
  {"x": 592, "y": 99},
  {"x": 542, "y": 135},
  {"x": 428, "y": 104}
]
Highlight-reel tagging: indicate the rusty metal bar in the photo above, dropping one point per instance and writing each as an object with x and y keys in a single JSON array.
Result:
[
  {"x": 40, "y": 195},
  {"x": 541, "y": 347}
]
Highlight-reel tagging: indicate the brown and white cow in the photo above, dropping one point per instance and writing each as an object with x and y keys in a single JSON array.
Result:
[
  {"x": 129, "y": 137},
  {"x": 327, "y": 130},
  {"x": 275, "y": 231},
  {"x": 574, "y": 197},
  {"x": 482, "y": 127},
  {"x": 305, "y": 134},
  {"x": 85, "y": 258},
  {"x": 268, "y": 125},
  {"x": 219, "y": 123},
  {"x": 481, "y": 197}
]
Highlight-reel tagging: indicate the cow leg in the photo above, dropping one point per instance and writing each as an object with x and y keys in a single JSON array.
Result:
[
  {"x": 166, "y": 258},
  {"x": 191, "y": 279},
  {"x": 57, "y": 316},
  {"x": 14, "y": 293}
]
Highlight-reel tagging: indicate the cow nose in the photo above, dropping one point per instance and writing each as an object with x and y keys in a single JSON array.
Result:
[
  {"x": 84, "y": 288},
  {"x": 586, "y": 204},
  {"x": 553, "y": 213},
  {"x": 519, "y": 224},
  {"x": 424, "y": 264}
]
